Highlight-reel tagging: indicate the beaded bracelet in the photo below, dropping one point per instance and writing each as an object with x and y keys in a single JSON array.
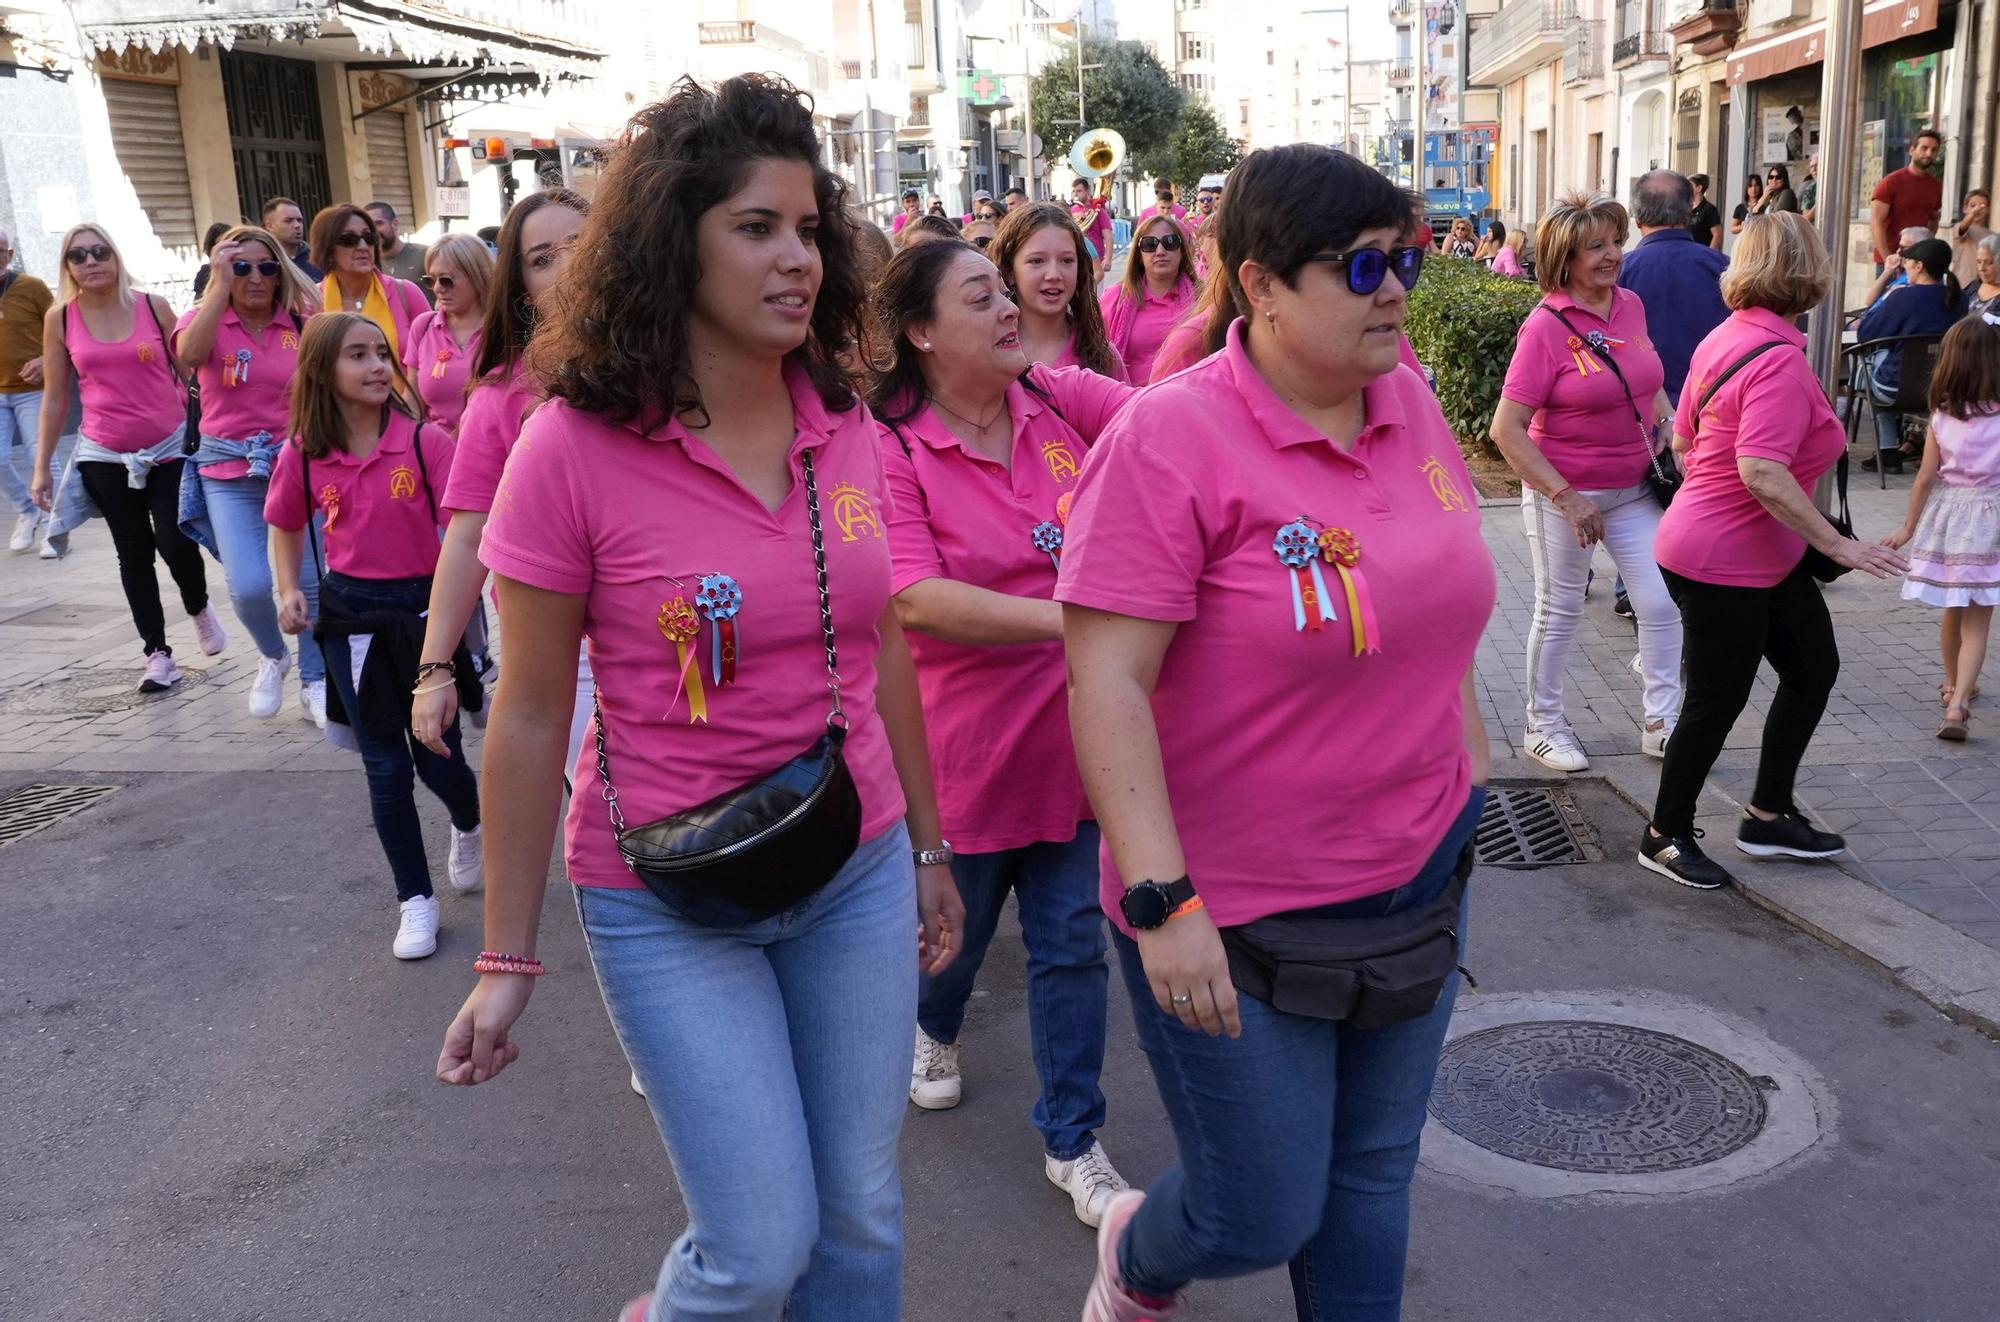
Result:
[{"x": 493, "y": 961}]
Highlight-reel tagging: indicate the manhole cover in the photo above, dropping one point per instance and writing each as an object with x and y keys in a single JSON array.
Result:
[
  {"x": 1528, "y": 828},
  {"x": 1606, "y": 1098},
  {"x": 29, "y": 809},
  {"x": 94, "y": 691}
]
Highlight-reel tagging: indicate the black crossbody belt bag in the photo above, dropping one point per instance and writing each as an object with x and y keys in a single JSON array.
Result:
[
  {"x": 1363, "y": 972},
  {"x": 764, "y": 846}
]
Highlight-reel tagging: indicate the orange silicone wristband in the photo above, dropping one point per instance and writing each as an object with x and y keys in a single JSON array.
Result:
[{"x": 1189, "y": 907}]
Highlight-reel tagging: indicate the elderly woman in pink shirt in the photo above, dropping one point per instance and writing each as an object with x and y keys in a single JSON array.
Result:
[
  {"x": 1157, "y": 293},
  {"x": 1273, "y": 584}
]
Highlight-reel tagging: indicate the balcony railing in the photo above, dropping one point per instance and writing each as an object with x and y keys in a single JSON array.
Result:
[
  {"x": 1402, "y": 11},
  {"x": 1402, "y": 71},
  {"x": 728, "y": 32},
  {"x": 1583, "y": 50},
  {"x": 1636, "y": 46},
  {"x": 920, "y": 113},
  {"x": 1524, "y": 35}
]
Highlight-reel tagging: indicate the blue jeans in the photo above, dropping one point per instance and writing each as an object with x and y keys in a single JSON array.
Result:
[
  {"x": 776, "y": 1059},
  {"x": 236, "y": 514},
  {"x": 1068, "y": 980},
  {"x": 1297, "y": 1140},
  {"x": 394, "y": 764},
  {"x": 20, "y": 431}
]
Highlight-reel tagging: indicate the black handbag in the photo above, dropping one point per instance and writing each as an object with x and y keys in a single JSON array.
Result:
[
  {"x": 761, "y": 848},
  {"x": 1663, "y": 475}
]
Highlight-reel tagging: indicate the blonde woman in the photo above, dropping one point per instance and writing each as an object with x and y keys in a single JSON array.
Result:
[
  {"x": 1158, "y": 289},
  {"x": 444, "y": 342},
  {"x": 242, "y": 346}
]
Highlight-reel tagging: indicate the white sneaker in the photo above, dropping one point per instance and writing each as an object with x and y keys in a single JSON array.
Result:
[
  {"x": 468, "y": 860},
  {"x": 208, "y": 630},
  {"x": 1089, "y": 1180},
  {"x": 267, "y": 691},
  {"x": 54, "y": 547},
  {"x": 25, "y": 528},
  {"x": 934, "y": 1081},
  {"x": 1653, "y": 743},
  {"x": 417, "y": 931},
  {"x": 1557, "y": 750},
  {"x": 312, "y": 698}
]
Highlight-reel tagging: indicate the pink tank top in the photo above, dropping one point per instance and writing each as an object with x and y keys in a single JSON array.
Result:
[{"x": 131, "y": 397}]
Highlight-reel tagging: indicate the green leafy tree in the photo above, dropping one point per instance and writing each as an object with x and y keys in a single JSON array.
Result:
[
  {"x": 1462, "y": 322},
  {"x": 1198, "y": 146},
  {"x": 1132, "y": 93}
]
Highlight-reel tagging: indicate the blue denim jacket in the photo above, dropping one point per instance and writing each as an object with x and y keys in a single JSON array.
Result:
[{"x": 262, "y": 452}]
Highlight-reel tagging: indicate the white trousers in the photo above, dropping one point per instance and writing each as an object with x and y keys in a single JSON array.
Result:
[{"x": 1562, "y": 568}]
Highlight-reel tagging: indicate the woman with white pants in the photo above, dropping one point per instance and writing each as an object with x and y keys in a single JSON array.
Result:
[{"x": 1583, "y": 409}]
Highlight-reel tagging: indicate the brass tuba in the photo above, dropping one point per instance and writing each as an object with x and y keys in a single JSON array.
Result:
[{"x": 1097, "y": 155}]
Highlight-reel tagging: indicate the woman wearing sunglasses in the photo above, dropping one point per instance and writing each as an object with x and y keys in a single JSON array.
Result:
[
  {"x": 1047, "y": 265},
  {"x": 444, "y": 341},
  {"x": 346, "y": 245},
  {"x": 1158, "y": 290},
  {"x": 1272, "y": 555},
  {"x": 112, "y": 340},
  {"x": 1582, "y": 412},
  {"x": 980, "y": 233},
  {"x": 242, "y": 346}
]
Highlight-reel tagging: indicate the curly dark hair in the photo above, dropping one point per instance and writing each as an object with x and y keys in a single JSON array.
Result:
[
  {"x": 510, "y": 313},
  {"x": 1093, "y": 344},
  {"x": 616, "y": 340},
  {"x": 906, "y": 292}
]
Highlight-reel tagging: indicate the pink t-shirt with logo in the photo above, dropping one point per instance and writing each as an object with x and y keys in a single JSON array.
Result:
[
  {"x": 379, "y": 521},
  {"x": 1300, "y": 774},
  {"x": 131, "y": 397},
  {"x": 1582, "y": 421},
  {"x": 438, "y": 367},
  {"x": 633, "y": 519},
  {"x": 246, "y": 384},
  {"x": 997, "y": 717},
  {"x": 486, "y": 434},
  {"x": 1716, "y": 531},
  {"x": 1139, "y": 328}
]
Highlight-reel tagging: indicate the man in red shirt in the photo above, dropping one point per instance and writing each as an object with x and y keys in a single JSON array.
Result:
[
  {"x": 1093, "y": 217},
  {"x": 1910, "y": 196}
]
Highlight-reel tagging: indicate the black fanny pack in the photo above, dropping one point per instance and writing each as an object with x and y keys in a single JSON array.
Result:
[{"x": 1363, "y": 972}]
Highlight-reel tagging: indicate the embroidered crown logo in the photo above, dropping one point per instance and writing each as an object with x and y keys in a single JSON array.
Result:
[
  {"x": 854, "y": 512},
  {"x": 1062, "y": 463},
  {"x": 1442, "y": 486},
  {"x": 402, "y": 482}
]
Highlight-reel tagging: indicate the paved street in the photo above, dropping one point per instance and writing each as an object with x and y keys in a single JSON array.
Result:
[{"x": 220, "y": 1105}]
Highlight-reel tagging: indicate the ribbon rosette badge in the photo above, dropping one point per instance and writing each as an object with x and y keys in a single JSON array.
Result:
[
  {"x": 1049, "y": 537},
  {"x": 681, "y": 628},
  {"x": 719, "y": 599},
  {"x": 236, "y": 372},
  {"x": 1342, "y": 550},
  {"x": 442, "y": 365},
  {"x": 1298, "y": 550}
]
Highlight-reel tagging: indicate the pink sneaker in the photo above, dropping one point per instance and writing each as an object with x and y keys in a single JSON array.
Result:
[
  {"x": 161, "y": 673},
  {"x": 1107, "y": 1300},
  {"x": 635, "y": 1310},
  {"x": 208, "y": 631}
]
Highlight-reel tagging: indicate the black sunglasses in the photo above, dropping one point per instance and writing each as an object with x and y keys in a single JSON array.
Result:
[
  {"x": 354, "y": 239},
  {"x": 96, "y": 252},
  {"x": 1368, "y": 267},
  {"x": 265, "y": 268},
  {"x": 982, "y": 241},
  {"x": 1154, "y": 242},
  {"x": 444, "y": 282}
]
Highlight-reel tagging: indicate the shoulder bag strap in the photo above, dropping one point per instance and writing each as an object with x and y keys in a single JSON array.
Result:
[
  {"x": 423, "y": 469},
  {"x": 1730, "y": 371},
  {"x": 312, "y": 528},
  {"x": 167, "y": 347},
  {"x": 1604, "y": 355}
]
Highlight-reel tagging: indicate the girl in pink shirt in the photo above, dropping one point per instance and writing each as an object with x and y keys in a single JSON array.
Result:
[
  {"x": 662, "y": 506},
  {"x": 981, "y": 454},
  {"x": 128, "y": 454},
  {"x": 373, "y": 475},
  {"x": 1042, "y": 256},
  {"x": 1953, "y": 529},
  {"x": 1158, "y": 291},
  {"x": 444, "y": 342}
]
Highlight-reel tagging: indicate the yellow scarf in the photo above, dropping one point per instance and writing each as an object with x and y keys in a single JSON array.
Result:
[{"x": 375, "y": 307}]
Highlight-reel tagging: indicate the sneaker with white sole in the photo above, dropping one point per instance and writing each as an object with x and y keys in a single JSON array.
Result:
[
  {"x": 208, "y": 631},
  {"x": 468, "y": 860},
  {"x": 1089, "y": 1179},
  {"x": 637, "y": 1086},
  {"x": 54, "y": 547},
  {"x": 934, "y": 1081},
  {"x": 1653, "y": 743},
  {"x": 1557, "y": 750},
  {"x": 267, "y": 691},
  {"x": 160, "y": 674},
  {"x": 417, "y": 928},
  {"x": 25, "y": 528},
  {"x": 312, "y": 700},
  {"x": 1108, "y": 1300}
]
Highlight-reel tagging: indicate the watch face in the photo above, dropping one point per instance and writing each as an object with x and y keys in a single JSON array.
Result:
[{"x": 1145, "y": 906}]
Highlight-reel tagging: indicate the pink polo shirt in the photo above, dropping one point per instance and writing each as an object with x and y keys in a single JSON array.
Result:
[
  {"x": 131, "y": 397},
  {"x": 1070, "y": 358},
  {"x": 246, "y": 384},
  {"x": 486, "y": 434},
  {"x": 1582, "y": 421},
  {"x": 1138, "y": 328},
  {"x": 439, "y": 368},
  {"x": 1716, "y": 531},
  {"x": 997, "y": 717},
  {"x": 1095, "y": 222},
  {"x": 1181, "y": 348},
  {"x": 1179, "y": 213},
  {"x": 379, "y": 522},
  {"x": 1300, "y": 774},
  {"x": 632, "y": 520}
]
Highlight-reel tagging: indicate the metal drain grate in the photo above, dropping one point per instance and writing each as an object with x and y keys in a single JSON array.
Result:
[
  {"x": 28, "y": 810},
  {"x": 1529, "y": 828}
]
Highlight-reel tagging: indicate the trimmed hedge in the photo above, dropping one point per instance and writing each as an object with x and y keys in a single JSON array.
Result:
[{"x": 1462, "y": 322}]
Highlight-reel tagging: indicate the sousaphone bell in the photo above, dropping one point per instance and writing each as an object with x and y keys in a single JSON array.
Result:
[{"x": 1097, "y": 153}]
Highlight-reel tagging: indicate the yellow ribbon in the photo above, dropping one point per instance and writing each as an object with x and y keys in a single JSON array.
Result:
[{"x": 681, "y": 627}]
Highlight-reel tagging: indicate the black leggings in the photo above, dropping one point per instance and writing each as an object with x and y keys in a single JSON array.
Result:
[
  {"x": 1728, "y": 631},
  {"x": 143, "y": 520}
]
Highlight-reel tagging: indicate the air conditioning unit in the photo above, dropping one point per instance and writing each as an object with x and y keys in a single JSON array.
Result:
[{"x": 1007, "y": 139}]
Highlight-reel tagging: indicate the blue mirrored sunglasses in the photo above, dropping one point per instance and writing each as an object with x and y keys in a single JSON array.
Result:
[{"x": 1368, "y": 267}]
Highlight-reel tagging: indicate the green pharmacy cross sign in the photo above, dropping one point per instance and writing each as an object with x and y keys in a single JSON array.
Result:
[{"x": 981, "y": 87}]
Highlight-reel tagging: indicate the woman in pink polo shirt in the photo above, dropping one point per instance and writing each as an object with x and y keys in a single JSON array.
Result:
[
  {"x": 444, "y": 342},
  {"x": 347, "y": 246},
  {"x": 1157, "y": 293},
  {"x": 373, "y": 474},
  {"x": 1756, "y": 432},
  {"x": 1042, "y": 255},
  {"x": 662, "y": 506},
  {"x": 1583, "y": 409},
  {"x": 1273, "y": 583},
  {"x": 982, "y": 453},
  {"x": 128, "y": 451},
  {"x": 242, "y": 346}
]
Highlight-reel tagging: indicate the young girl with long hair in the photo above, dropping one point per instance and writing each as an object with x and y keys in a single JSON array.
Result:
[
  {"x": 1158, "y": 289},
  {"x": 1047, "y": 265}
]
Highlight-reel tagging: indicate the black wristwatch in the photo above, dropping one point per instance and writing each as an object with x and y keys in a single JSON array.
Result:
[{"x": 1149, "y": 904}]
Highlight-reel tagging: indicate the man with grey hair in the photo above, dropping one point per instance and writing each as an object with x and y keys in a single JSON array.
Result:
[
  {"x": 1678, "y": 279},
  {"x": 24, "y": 302}
]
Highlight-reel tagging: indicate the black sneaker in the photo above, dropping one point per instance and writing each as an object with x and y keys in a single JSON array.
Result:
[
  {"x": 1789, "y": 835},
  {"x": 1679, "y": 858},
  {"x": 1622, "y": 607}
]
